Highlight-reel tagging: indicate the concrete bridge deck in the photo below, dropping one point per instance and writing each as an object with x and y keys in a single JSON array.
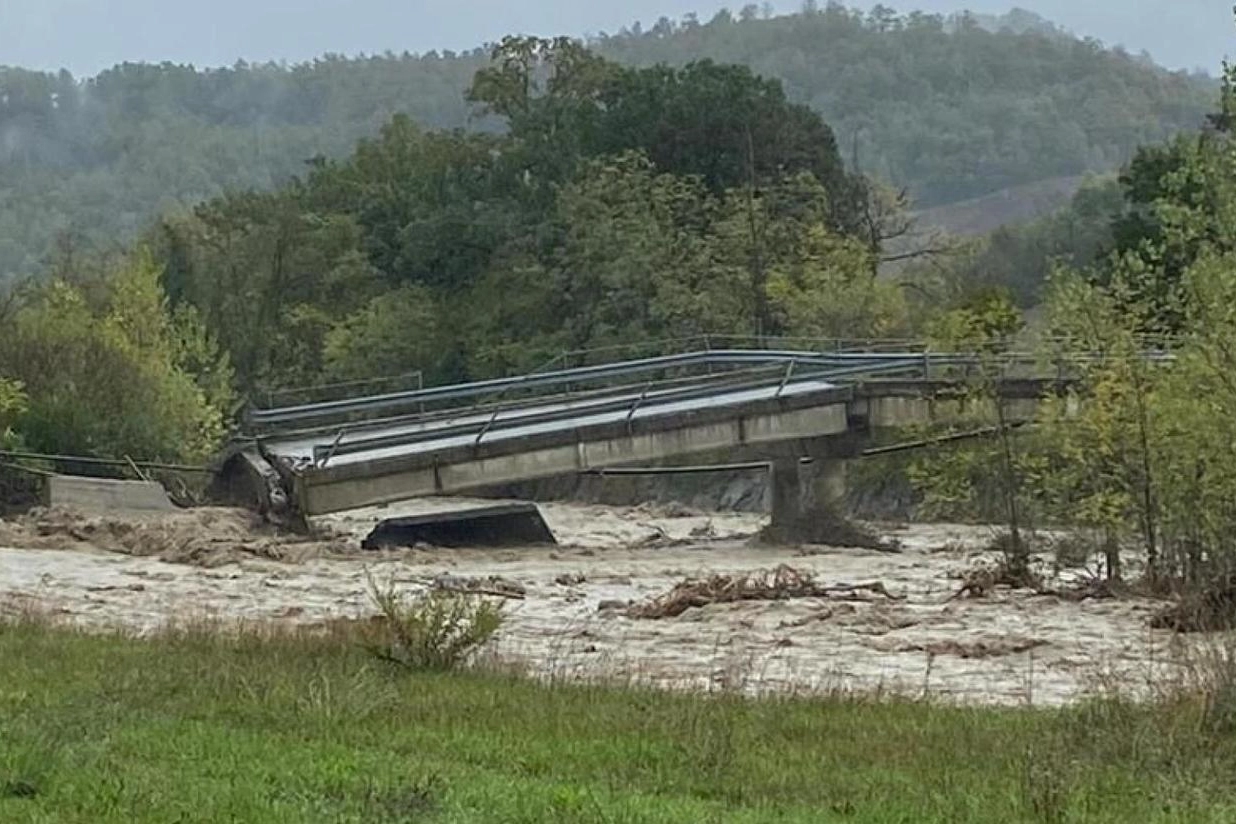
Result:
[
  {"x": 458, "y": 463},
  {"x": 355, "y": 452},
  {"x": 474, "y": 429}
]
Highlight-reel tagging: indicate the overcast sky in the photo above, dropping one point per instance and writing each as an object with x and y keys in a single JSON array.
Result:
[{"x": 86, "y": 36}]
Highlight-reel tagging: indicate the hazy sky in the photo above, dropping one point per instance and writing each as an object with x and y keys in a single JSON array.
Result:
[{"x": 88, "y": 35}]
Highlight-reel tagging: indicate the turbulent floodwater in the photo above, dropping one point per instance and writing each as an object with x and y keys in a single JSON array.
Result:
[{"x": 1009, "y": 648}]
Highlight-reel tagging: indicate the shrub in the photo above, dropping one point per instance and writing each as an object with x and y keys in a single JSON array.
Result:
[
  {"x": 431, "y": 631},
  {"x": 13, "y": 403}
]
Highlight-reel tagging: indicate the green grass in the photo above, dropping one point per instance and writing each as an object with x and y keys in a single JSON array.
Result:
[{"x": 195, "y": 727}]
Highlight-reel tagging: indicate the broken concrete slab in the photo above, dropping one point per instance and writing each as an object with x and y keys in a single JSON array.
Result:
[
  {"x": 506, "y": 525},
  {"x": 105, "y": 495}
]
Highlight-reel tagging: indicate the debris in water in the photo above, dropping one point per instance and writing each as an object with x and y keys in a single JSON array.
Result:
[
  {"x": 983, "y": 579},
  {"x": 1212, "y": 610},
  {"x": 782, "y": 584},
  {"x": 973, "y": 650},
  {"x": 492, "y": 586},
  {"x": 206, "y": 537}
]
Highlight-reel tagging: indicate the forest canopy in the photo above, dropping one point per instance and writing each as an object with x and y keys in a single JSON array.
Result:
[{"x": 946, "y": 108}]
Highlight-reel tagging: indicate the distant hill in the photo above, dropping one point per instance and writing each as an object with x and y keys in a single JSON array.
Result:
[
  {"x": 1007, "y": 207},
  {"x": 1020, "y": 21},
  {"x": 951, "y": 108}
]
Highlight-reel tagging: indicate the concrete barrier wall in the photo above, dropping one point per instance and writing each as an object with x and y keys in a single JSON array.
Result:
[{"x": 106, "y": 495}]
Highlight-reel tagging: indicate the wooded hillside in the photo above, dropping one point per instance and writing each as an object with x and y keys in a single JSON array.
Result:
[{"x": 948, "y": 108}]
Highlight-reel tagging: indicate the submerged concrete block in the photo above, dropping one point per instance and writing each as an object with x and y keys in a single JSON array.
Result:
[
  {"x": 106, "y": 495},
  {"x": 505, "y": 525}
]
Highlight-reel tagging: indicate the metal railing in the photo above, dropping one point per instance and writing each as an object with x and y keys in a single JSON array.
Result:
[
  {"x": 726, "y": 358},
  {"x": 557, "y": 391},
  {"x": 629, "y": 402},
  {"x": 628, "y": 399}
]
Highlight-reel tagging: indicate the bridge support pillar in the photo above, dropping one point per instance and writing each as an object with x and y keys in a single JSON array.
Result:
[
  {"x": 809, "y": 504},
  {"x": 787, "y": 496},
  {"x": 806, "y": 494}
]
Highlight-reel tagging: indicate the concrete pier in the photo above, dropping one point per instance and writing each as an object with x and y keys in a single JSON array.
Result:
[{"x": 809, "y": 496}]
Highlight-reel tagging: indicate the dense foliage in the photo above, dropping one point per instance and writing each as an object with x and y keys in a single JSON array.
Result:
[
  {"x": 107, "y": 367},
  {"x": 1139, "y": 452},
  {"x": 948, "y": 109},
  {"x": 580, "y": 226},
  {"x": 614, "y": 205}
]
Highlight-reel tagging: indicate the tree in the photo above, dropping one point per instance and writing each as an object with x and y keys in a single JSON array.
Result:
[
  {"x": 635, "y": 261},
  {"x": 890, "y": 231},
  {"x": 961, "y": 478},
  {"x": 258, "y": 269},
  {"x": 396, "y": 333},
  {"x": 433, "y": 206},
  {"x": 548, "y": 92},
  {"x": 828, "y": 291},
  {"x": 723, "y": 124},
  {"x": 1195, "y": 440},
  {"x": 514, "y": 318},
  {"x": 1180, "y": 209},
  {"x": 1103, "y": 433},
  {"x": 104, "y": 370}
]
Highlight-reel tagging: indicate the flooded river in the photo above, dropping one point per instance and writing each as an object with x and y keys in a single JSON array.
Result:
[{"x": 1010, "y": 648}]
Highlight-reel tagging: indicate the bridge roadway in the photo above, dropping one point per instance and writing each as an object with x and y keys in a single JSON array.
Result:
[
  {"x": 367, "y": 451},
  {"x": 469, "y": 430}
]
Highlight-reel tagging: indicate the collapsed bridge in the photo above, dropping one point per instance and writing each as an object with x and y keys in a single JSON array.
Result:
[{"x": 787, "y": 404}]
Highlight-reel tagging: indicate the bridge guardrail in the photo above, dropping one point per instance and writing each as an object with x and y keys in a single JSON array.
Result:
[
  {"x": 600, "y": 405},
  {"x": 435, "y": 403},
  {"x": 505, "y": 403},
  {"x": 574, "y": 359},
  {"x": 593, "y": 374},
  {"x": 582, "y": 375}
]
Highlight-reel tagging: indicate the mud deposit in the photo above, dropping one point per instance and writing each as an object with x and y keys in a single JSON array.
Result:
[{"x": 574, "y": 622}]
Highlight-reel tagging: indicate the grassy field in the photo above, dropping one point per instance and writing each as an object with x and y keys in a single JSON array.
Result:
[{"x": 194, "y": 727}]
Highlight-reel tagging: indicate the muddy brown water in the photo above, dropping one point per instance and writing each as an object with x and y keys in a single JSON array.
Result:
[{"x": 1011, "y": 648}]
